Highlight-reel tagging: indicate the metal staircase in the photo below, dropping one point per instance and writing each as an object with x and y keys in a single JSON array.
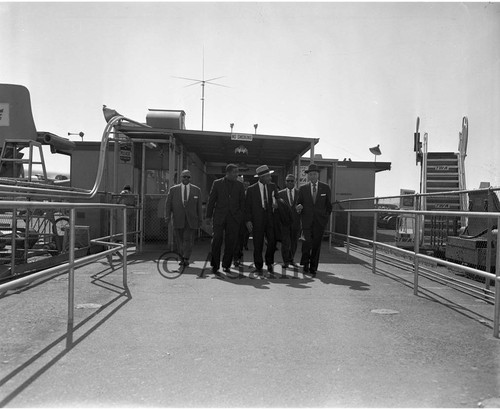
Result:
[{"x": 444, "y": 172}]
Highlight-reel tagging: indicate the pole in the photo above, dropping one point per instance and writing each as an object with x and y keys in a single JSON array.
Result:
[
  {"x": 416, "y": 249},
  {"x": 347, "y": 246},
  {"x": 124, "y": 259},
  {"x": 202, "y": 103},
  {"x": 497, "y": 292},
  {"x": 374, "y": 255},
  {"x": 71, "y": 278}
]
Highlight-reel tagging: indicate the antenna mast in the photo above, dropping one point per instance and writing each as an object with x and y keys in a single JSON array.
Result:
[{"x": 203, "y": 81}]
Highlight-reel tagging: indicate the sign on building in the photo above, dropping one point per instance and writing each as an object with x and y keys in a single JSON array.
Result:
[
  {"x": 302, "y": 175},
  {"x": 4, "y": 114},
  {"x": 125, "y": 153},
  {"x": 242, "y": 137},
  {"x": 406, "y": 202}
]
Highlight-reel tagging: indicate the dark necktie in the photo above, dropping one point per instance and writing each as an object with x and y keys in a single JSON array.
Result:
[
  {"x": 314, "y": 192},
  {"x": 290, "y": 196},
  {"x": 185, "y": 195},
  {"x": 265, "y": 197}
]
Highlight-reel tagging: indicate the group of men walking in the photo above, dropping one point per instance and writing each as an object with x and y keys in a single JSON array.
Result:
[{"x": 268, "y": 214}]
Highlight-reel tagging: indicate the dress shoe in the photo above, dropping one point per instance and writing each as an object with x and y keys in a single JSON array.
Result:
[
  {"x": 226, "y": 269},
  {"x": 306, "y": 268},
  {"x": 293, "y": 263},
  {"x": 286, "y": 265},
  {"x": 270, "y": 268},
  {"x": 313, "y": 273},
  {"x": 215, "y": 270},
  {"x": 186, "y": 262},
  {"x": 255, "y": 273}
]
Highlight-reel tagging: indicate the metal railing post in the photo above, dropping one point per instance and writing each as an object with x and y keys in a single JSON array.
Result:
[
  {"x": 348, "y": 232},
  {"x": 71, "y": 277},
  {"x": 124, "y": 258},
  {"x": 13, "y": 242},
  {"x": 489, "y": 240},
  {"x": 496, "y": 317},
  {"x": 374, "y": 256},
  {"x": 416, "y": 250}
]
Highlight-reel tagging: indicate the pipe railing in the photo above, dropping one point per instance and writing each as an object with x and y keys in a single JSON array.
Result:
[
  {"x": 417, "y": 195},
  {"x": 72, "y": 263},
  {"x": 33, "y": 189},
  {"x": 417, "y": 257}
]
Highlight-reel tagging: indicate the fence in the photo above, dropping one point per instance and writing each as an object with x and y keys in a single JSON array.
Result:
[
  {"x": 72, "y": 262},
  {"x": 457, "y": 238}
]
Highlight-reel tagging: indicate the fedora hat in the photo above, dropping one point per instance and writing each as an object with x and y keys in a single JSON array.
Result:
[
  {"x": 263, "y": 170},
  {"x": 312, "y": 168}
]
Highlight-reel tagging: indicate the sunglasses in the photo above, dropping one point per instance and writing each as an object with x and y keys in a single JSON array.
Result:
[{"x": 186, "y": 177}]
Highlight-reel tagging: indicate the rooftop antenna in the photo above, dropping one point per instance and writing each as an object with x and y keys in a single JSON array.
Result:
[
  {"x": 203, "y": 81},
  {"x": 376, "y": 151}
]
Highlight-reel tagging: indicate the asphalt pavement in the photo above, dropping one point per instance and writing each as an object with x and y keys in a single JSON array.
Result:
[{"x": 346, "y": 338}]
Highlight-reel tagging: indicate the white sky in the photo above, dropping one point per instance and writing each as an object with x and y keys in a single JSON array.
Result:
[{"x": 352, "y": 74}]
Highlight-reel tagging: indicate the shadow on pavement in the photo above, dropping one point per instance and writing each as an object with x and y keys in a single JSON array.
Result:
[{"x": 70, "y": 344}]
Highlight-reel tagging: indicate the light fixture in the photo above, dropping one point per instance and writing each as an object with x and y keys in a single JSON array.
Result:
[
  {"x": 242, "y": 149},
  {"x": 231, "y": 125},
  {"x": 255, "y": 126},
  {"x": 80, "y": 134}
]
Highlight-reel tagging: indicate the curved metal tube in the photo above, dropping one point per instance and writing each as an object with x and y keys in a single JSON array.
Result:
[{"x": 35, "y": 190}]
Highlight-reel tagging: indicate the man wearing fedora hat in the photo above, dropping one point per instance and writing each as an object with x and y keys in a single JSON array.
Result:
[
  {"x": 314, "y": 205},
  {"x": 259, "y": 205}
]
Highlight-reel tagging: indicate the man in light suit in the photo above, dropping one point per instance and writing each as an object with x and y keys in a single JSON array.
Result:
[
  {"x": 290, "y": 233},
  {"x": 259, "y": 206},
  {"x": 225, "y": 207},
  {"x": 184, "y": 203},
  {"x": 314, "y": 205}
]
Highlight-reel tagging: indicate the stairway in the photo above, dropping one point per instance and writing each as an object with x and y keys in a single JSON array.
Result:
[{"x": 442, "y": 174}]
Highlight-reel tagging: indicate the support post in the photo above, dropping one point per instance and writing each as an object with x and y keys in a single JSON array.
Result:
[
  {"x": 416, "y": 250},
  {"x": 496, "y": 317},
  {"x": 347, "y": 243},
  {"x": 124, "y": 258},
  {"x": 374, "y": 255},
  {"x": 143, "y": 196},
  {"x": 71, "y": 278}
]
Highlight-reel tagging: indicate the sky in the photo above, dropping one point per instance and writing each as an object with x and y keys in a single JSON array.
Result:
[{"x": 354, "y": 75}]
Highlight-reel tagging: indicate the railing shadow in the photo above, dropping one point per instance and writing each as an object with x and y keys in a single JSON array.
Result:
[
  {"x": 69, "y": 346},
  {"x": 433, "y": 296}
]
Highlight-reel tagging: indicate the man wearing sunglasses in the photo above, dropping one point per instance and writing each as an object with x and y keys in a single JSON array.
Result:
[
  {"x": 290, "y": 233},
  {"x": 184, "y": 203}
]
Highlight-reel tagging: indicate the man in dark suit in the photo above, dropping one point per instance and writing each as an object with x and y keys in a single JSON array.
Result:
[
  {"x": 259, "y": 205},
  {"x": 314, "y": 205},
  {"x": 225, "y": 208},
  {"x": 290, "y": 233},
  {"x": 184, "y": 203}
]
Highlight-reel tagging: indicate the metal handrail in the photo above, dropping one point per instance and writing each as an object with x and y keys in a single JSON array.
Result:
[
  {"x": 72, "y": 263},
  {"x": 419, "y": 257},
  {"x": 454, "y": 192},
  {"x": 19, "y": 188}
]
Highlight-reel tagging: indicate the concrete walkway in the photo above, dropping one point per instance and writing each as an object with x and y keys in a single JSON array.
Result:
[{"x": 347, "y": 338}]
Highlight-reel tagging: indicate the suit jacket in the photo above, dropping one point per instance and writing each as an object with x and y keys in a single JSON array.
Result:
[
  {"x": 319, "y": 211},
  {"x": 253, "y": 203},
  {"x": 283, "y": 194},
  {"x": 192, "y": 210},
  {"x": 226, "y": 199}
]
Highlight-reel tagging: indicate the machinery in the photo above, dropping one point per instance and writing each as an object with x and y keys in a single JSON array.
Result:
[
  {"x": 476, "y": 245},
  {"x": 32, "y": 239}
]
